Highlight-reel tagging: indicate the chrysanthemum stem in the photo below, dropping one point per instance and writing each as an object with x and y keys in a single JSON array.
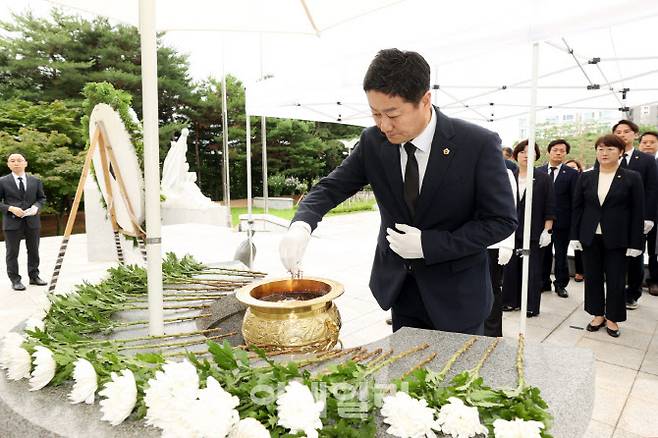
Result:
[
  {"x": 446, "y": 368},
  {"x": 395, "y": 358},
  {"x": 166, "y": 321},
  {"x": 419, "y": 365},
  {"x": 520, "y": 362},
  {"x": 177, "y": 344}
]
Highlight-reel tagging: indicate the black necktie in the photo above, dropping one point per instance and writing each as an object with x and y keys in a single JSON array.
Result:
[
  {"x": 623, "y": 160},
  {"x": 411, "y": 179},
  {"x": 21, "y": 186},
  {"x": 552, "y": 173}
]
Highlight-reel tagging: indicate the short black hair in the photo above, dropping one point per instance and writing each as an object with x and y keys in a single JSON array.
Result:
[
  {"x": 398, "y": 73},
  {"x": 559, "y": 141},
  {"x": 508, "y": 149},
  {"x": 654, "y": 133},
  {"x": 522, "y": 145},
  {"x": 628, "y": 123},
  {"x": 612, "y": 141}
]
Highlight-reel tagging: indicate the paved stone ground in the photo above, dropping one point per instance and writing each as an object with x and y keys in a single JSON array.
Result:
[{"x": 341, "y": 249}]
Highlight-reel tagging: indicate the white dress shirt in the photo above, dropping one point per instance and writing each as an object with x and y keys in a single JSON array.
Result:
[
  {"x": 24, "y": 176},
  {"x": 629, "y": 154},
  {"x": 557, "y": 170},
  {"x": 423, "y": 145}
]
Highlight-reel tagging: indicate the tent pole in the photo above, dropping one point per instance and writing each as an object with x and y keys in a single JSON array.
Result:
[
  {"x": 532, "y": 117},
  {"x": 151, "y": 164},
  {"x": 227, "y": 179},
  {"x": 250, "y": 219},
  {"x": 263, "y": 131}
]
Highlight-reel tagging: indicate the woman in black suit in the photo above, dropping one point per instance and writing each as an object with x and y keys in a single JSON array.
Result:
[
  {"x": 577, "y": 253},
  {"x": 541, "y": 224},
  {"x": 608, "y": 215}
]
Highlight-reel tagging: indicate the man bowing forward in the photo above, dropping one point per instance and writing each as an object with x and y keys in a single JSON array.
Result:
[{"x": 443, "y": 195}]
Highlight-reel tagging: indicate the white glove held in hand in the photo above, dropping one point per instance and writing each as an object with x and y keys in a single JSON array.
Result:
[
  {"x": 406, "y": 244},
  {"x": 576, "y": 245},
  {"x": 293, "y": 244},
  {"x": 630, "y": 252},
  {"x": 504, "y": 255},
  {"x": 648, "y": 225},
  {"x": 544, "y": 239}
]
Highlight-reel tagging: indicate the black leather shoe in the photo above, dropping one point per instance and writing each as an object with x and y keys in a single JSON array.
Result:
[
  {"x": 389, "y": 321},
  {"x": 653, "y": 290},
  {"x": 561, "y": 292},
  {"x": 594, "y": 328},
  {"x": 613, "y": 333},
  {"x": 17, "y": 285},
  {"x": 531, "y": 314},
  {"x": 37, "y": 281},
  {"x": 509, "y": 308}
]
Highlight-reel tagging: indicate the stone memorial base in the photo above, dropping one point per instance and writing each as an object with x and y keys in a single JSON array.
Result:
[
  {"x": 276, "y": 203},
  {"x": 215, "y": 215}
]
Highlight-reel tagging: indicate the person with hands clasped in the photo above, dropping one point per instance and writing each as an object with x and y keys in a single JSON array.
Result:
[
  {"x": 21, "y": 200},
  {"x": 608, "y": 225},
  {"x": 443, "y": 197},
  {"x": 541, "y": 224}
]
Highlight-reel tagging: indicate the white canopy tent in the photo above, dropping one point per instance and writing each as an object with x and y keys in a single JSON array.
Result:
[{"x": 350, "y": 33}]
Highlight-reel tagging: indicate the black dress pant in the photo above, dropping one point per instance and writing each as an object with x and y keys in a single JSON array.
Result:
[
  {"x": 409, "y": 310},
  {"x": 653, "y": 260},
  {"x": 560, "y": 242},
  {"x": 12, "y": 244},
  {"x": 493, "y": 325},
  {"x": 578, "y": 261},
  {"x": 512, "y": 279},
  {"x": 603, "y": 265},
  {"x": 635, "y": 275}
]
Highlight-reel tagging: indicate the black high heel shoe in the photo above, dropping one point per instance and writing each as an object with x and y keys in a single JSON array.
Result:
[{"x": 594, "y": 328}]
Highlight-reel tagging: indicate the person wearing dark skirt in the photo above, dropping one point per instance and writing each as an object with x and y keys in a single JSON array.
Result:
[
  {"x": 578, "y": 276},
  {"x": 543, "y": 214},
  {"x": 608, "y": 223}
]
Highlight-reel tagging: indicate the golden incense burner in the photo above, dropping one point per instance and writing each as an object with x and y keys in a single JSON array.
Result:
[{"x": 291, "y": 314}]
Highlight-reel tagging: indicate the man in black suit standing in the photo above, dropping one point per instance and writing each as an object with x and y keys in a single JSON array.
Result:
[
  {"x": 645, "y": 165},
  {"x": 564, "y": 180},
  {"x": 443, "y": 195},
  {"x": 649, "y": 145},
  {"x": 21, "y": 200}
]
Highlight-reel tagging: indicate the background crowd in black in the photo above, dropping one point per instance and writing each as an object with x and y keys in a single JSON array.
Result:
[{"x": 607, "y": 214}]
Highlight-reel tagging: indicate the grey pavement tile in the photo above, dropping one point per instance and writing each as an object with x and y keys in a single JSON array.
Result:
[
  {"x": 628, "y": 338},
  {"x": 597, "y": 429},
  {"x": 646, "y": 388},
  {"x": 639, "y": 417},
  {"x": 620, "y": 433},
  {"x": 614, "y": 354},
  {"x": 614, "y": 377},
  {"x": 608, "y": 405}
]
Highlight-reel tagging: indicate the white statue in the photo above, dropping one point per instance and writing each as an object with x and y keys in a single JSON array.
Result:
[{"x": 178, "y": 184}]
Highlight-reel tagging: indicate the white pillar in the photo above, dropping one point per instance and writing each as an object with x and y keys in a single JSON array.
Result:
[
  {"x": 151, "y": 164},
  {"x": 527, "y": 214}
]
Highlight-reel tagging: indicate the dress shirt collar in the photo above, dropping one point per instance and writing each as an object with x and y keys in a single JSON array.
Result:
[{"x": 424, "y": 139}]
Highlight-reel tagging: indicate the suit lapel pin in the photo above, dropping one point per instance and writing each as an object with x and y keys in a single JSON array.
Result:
[
  {"x": 618, "y": 176},
  {"x": 446, "y": 151}
]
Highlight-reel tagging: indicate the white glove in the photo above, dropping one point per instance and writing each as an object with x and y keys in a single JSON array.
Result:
[
  {"x": 504, "y": 255},
  {"x": 293, "y": 244},
  {"x": 406, "y": 244},
  {"x": 648, "y": 225},
  {"x": 576, "y": 245},
  {"x": 630, "y": 252},
  {"x": 544, "y": 239}
]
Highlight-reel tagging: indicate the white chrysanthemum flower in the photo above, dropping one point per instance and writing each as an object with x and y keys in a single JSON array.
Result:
[
  {"x": 517, "y": 428},
  {"x": 19, "y": 364},
  {"x": 460, "y": 421},
  {"x": 34, "y": 322},
  {"x": 120, "y": 397},
  {"x": 44, "y": 368},
  {"x": 298, "y": 411},
  {"x": 86, "y": 382},
  {"x": 170, "y": 396},
  {"x": 214, "y": 412},
  {"x": 249, "y": 428},
  {"x": 408, "y": 417},
  {"x": 10, "y": 342}
]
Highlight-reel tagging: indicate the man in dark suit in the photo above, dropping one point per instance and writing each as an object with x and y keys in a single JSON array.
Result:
[
  {"x": 645, "y": 165},
  {"x": 564, "y": 180},
  {"x": 649, "y": 145},
  {"x": 443, "y": 195},
  {"x": 21, "y": 200}
]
